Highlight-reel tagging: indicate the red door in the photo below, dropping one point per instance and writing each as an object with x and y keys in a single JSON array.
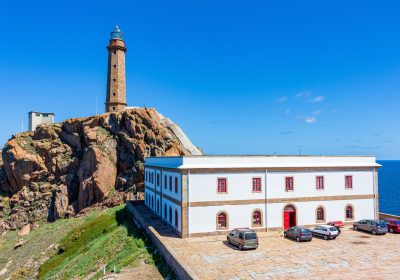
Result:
[{"x": 286, "y": 220}]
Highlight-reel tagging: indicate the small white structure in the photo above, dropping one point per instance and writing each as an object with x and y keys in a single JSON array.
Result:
[
  {"x": 36, "y": 118},
  {"x": 203, "y": 195}
]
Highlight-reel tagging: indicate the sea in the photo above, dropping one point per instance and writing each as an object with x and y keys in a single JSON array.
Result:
[{"x": 389, "y": 186}]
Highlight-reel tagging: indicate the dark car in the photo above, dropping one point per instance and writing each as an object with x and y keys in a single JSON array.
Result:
[
  {"x": 372, "y": 226},
  {"x": 298, "y": 233},
  {"x": 393, "y": 225},
  {"x": 337, "y": 224},
  {"x": 243, "y": 238}
]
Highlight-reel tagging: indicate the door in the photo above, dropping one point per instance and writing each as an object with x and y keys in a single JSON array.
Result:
[
  {"x": 289, "y": 217},
  {"x": 286, "y": 219}
]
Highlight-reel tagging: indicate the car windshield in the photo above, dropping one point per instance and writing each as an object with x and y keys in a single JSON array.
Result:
[
  {"x": 305, "y": 230},
  {"x": 381, "y": 223},
  {"x": 332, "y": 229},
  {"x": 250, "y": 236}
]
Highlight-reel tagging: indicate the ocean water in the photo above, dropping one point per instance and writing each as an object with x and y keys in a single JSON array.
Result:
[{"x": 389, "y": 186}]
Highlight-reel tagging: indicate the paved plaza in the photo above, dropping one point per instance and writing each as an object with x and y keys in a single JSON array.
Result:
[{"x": 353, "y": 255}]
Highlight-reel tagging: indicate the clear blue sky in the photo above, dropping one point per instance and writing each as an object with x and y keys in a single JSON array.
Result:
[{"x": 240, "y": 77}]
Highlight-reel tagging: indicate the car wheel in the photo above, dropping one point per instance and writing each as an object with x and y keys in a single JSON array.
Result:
[
  {"x": 298, "y": 239},
  {"x": 240, "y": 247},
  {"x": 325, "y": 237},
  {"x": 229, "y": 240},
  {"x": 391, "y": 230},
  {"x": 355, "y": 227},
  {"x": 373, "y": 232},
  {"x": 285, "y": 234}
]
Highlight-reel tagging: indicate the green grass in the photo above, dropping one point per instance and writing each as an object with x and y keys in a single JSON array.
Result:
[{"x": 110, "y": 239}]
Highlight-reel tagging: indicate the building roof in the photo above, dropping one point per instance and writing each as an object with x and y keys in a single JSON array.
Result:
[
  {"x": 261, "y": 161},
  {"x": 32, "y": 112}
]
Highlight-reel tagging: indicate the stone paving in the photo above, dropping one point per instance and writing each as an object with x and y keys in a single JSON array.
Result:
[{"x": 353, "y": 255}]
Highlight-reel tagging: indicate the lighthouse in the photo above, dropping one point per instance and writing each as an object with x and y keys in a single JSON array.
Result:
[{"x": 116, "y": 76}]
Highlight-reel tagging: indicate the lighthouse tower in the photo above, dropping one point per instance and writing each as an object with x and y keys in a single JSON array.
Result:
[{"x": 116, "y": 77}]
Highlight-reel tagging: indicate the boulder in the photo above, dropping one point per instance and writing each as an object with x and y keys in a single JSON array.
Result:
[
  {"x": 58, "y": 170},
  {"x": 60, "y": 202}
]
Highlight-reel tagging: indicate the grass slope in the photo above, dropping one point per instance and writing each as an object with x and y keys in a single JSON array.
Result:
[
  {"x": 110, "y": 240},
  {"x": 80, "y": 247}
]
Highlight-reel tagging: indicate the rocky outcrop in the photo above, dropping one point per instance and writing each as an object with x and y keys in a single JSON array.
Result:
[{"x": 60, "y": 169}]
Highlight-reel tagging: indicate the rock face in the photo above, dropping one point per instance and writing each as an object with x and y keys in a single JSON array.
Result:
[{"x": 60, "y": 169}]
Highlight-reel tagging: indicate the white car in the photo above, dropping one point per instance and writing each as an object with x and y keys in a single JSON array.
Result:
[{"x": 325, "y": 231}]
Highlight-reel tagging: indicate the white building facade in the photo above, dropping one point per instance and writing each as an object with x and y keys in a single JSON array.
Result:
[
  {"x": 206, "y": 195},
  {"x": 36, "y": 118}
]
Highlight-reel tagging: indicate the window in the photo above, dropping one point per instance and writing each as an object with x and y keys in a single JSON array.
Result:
[
  {"x": 165, "y": 181},
  {"x": 115, "y": 52},
  {"x": 45, "y": 115},
  {"x": 114, "y": 94},
  {"x": 256, "y": 184},
  {"x": 37, "y": 114},
  {"x": 170, "y": 183},
  {"x": 176, "y": 218},
  {"x": 320, "y": 182},
  {"x": 256, "y": 218},
  {"x": 113, "y": 108},
  {"x": 170, "y": 214},
  {"x": 158, "y": 206},
  {"x": 320, "y": 214},
  {"x": 349, "y": 212},
  {"x": 222, "y": 220},
  {"x": 348, "y": 182},
  {"x": 222, "y": 185},
  {"x": 176, "y": 184},
  {"x": 115, "y": 66},
  {"x": 158, "y": 179},
  {"x": 114, "y": 80},
  {"x": 165, "y": 211},
  {"x": 289, "y": 184}
]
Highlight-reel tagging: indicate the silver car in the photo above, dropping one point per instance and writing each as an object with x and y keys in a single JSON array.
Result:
[
  {"x": 372, "y": 226},
  {"x": 325, "y": 231}
]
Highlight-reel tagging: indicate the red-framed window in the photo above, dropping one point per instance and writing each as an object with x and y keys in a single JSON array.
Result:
[
  {"x": 256, "y": 184},
  {"x": 176, "y": 184},
  {"x": 222, "y": 185},
  {"x": 289, "y": 183},
  {"x": 320, "y": 182},
  {"x": 320, "y": 214},
  {"x": 257, "y": 218},
  {"x": 170, "y": 183},
  {"x": 349, "y": 212},
  {"x": 348, "y": 182},
  {"x": 221, "y": 220}
]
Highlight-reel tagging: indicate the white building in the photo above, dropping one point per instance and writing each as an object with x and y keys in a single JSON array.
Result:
[
  {"x": 36, "y": 118},
  {"x": 203, "y": 195}
]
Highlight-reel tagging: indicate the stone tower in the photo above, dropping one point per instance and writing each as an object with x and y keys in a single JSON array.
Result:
[{"x": 116, "y": 77}]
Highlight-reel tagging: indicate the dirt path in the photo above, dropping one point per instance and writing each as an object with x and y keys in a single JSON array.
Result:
[{"x": 141, "y": 271}]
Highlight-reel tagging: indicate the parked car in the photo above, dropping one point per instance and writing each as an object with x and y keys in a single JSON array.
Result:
[
  {"x": 337, "y": 224},
  {"x": 373, "y": 226},
  {"x": 243, "y": 238},
  {"x": 393, "y": 225},
  {"x": 325, "y": 231},
  {"x": 298, "y": 233}
]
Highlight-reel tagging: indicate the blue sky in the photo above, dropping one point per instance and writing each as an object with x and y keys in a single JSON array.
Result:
[{"x": 240, "y": 77}]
